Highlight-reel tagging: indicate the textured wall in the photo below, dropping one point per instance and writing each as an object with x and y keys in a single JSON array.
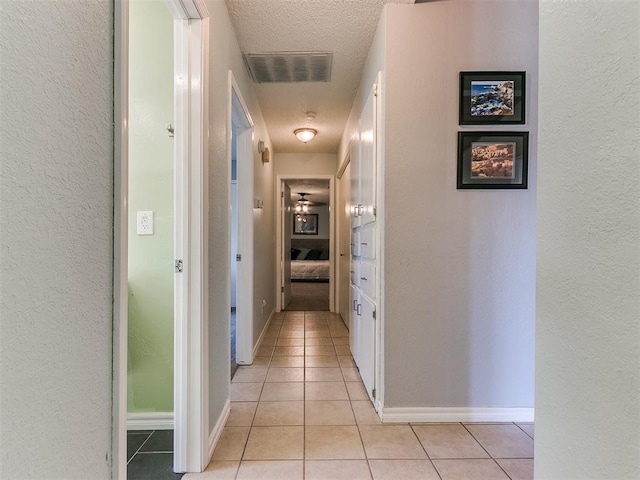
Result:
[
  {"x": 376, "y": 61},
  {"x": 305, "y": 164},
  {"x": 150, "y": 355},
  {"x": 459, "y": 264},
  {"x": 56, "y": 238},
  {"x": 588, "y": 305},
  {"x": 224, "y": 55}
]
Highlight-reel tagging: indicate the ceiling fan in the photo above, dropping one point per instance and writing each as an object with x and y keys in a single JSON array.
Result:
[{"x": 306, "y": 201}]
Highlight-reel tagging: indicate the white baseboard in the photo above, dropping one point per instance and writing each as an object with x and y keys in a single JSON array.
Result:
[
  {"x": 150, "y": 421},
  {"x": 217, "y": 429},
  {"x": 456, "y": 414},
  {"x": 262, "y": 334}
]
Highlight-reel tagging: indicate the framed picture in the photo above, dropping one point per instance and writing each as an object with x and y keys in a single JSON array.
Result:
[
  {"x": 305, "y": 224},
  {"x": 492, "y": 98},
  {"x": 493, "y": 159}
]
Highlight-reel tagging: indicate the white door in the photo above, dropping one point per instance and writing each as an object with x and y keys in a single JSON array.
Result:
[
  {"x": 364, "y": 241},
  {"x": 354, "y": 154},
  {"x": 367, "y": 160},
  {"x": 287, "y": 228},
  {"x": 244, "y": 258},
  {"x": 365, "y": 315},
  {"x": 344, "y": 247},
  {"x": 354, "y": 323}
]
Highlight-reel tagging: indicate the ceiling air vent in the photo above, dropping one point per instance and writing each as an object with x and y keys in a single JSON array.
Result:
[{"x": 287, "y": 67}]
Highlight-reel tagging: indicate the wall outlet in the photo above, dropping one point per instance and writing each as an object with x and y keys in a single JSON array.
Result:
[{"x": 144, "y": 223}]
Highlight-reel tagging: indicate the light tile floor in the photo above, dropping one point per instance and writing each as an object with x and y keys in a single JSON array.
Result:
[{"x": 301, "y": 412}]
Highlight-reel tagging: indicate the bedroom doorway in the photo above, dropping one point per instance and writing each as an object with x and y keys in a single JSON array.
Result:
[{"x": 305, "y": 243}]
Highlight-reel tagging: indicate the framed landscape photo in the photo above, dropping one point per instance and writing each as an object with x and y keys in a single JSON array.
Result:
[
  {"x": 492, "y": 98},
  {"x": 493, "y": 159},
  {"x": 305, "y": 224}
]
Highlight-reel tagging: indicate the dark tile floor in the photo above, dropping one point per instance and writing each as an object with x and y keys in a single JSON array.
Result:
[{"x": 150, "y": 455}]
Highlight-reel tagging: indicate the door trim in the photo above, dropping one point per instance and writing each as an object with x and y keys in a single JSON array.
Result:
[
  {"x": 237, "y": 108},
  {"x": 280, "y": 179},
  {"x": 120, "y": 239},
  {"x": 341, "y": 289},
  {"x": 191, "y": 412}
]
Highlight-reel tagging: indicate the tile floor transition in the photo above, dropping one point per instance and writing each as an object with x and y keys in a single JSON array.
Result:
[{"x": 301, "y": 412}]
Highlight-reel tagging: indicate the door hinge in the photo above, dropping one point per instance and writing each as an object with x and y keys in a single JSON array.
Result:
[
  {"x": 374, "y": 211},
  {"x": 239, "y": 257},
  {"x": 373, "y": 393},
  {"x": 281, "y": 194},
  {"x": 281, "y": 289},
  {"x": 374, "y": 314},
  {"x": 178, "y": 266}
]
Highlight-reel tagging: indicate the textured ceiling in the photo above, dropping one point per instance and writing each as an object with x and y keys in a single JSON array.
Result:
[
  {"x": 317, "y": 190},
  {"x": 344, "y": 27}
]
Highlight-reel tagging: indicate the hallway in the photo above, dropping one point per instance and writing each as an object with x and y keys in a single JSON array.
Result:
[
  {"x": 301, "y": 412},
  {"x": 309, "y": 296}
]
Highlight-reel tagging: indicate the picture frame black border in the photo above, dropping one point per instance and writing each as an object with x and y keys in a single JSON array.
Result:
[
  {"x": 519, "y": 98},
  {"x": 306, "y": 215},
  {"x": 465, "y": 139}
]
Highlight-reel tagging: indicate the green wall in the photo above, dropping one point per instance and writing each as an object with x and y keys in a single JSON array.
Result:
[{"x": 150, "y": 355}]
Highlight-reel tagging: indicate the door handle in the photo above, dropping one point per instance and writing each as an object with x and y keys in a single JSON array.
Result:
[{"x": 363, "y": 278}]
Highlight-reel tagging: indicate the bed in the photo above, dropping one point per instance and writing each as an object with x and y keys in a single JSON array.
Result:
[{"x": 309, "y": 260}]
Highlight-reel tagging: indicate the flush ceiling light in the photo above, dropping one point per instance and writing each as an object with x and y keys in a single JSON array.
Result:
[{"x": 305, "y": 134}]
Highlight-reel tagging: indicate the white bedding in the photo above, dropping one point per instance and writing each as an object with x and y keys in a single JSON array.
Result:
[{"x": 310, "y": 270}]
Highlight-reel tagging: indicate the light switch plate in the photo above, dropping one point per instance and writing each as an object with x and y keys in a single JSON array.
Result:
[{"x": 144, "y": 223}]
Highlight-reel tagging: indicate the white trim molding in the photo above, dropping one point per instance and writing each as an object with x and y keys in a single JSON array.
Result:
[
  {"x": 456, "y": 414},
  {"x": 120, "y": 238},
  {"x": 218, "y": 428},
  {"x": 150, "y": 421}
]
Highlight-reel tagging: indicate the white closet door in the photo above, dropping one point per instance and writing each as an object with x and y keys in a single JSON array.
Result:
[
  {"x": 354, "y": 153},
  {"x": 367, "y": 160},
  {"x": 354, "y": 324},
  {"x": 366, "y": 343}
]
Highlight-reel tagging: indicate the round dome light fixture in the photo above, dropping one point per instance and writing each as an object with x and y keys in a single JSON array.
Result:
[{"x": 305, "y": 134}]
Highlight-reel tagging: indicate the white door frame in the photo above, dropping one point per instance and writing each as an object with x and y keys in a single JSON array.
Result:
[
  {"x": 332, "y": 237},
  {"x": 191, "y": 29},
  {"x": 237, "y": 109},
  {"x": 120, "y": 239},
  {"x": 341, "y": 289}
]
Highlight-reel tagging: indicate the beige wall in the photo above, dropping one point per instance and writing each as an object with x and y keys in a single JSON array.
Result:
[
  {"x": 459, "y": 267},
  {"x": 224, "y": 55},
  {"x": 376, "y": 61},
  {"x": 588, "y": 305},
  {"x": 56, "y": 239},
  {"x": 305, "y": 163}
]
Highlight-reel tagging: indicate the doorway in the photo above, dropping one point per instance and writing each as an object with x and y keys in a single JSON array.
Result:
[
  {"x": 186, "y": 411},
  {"x": 151, "y": 240},
  {"x": 305, "y": 243},
  {"x": 241, "y": 228}
]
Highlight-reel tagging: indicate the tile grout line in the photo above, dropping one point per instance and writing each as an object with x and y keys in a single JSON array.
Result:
[
  {"x": 477, "y": 441},
  {"x": 141, "y": 445},
  {"x": 425, "y": 450}
]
